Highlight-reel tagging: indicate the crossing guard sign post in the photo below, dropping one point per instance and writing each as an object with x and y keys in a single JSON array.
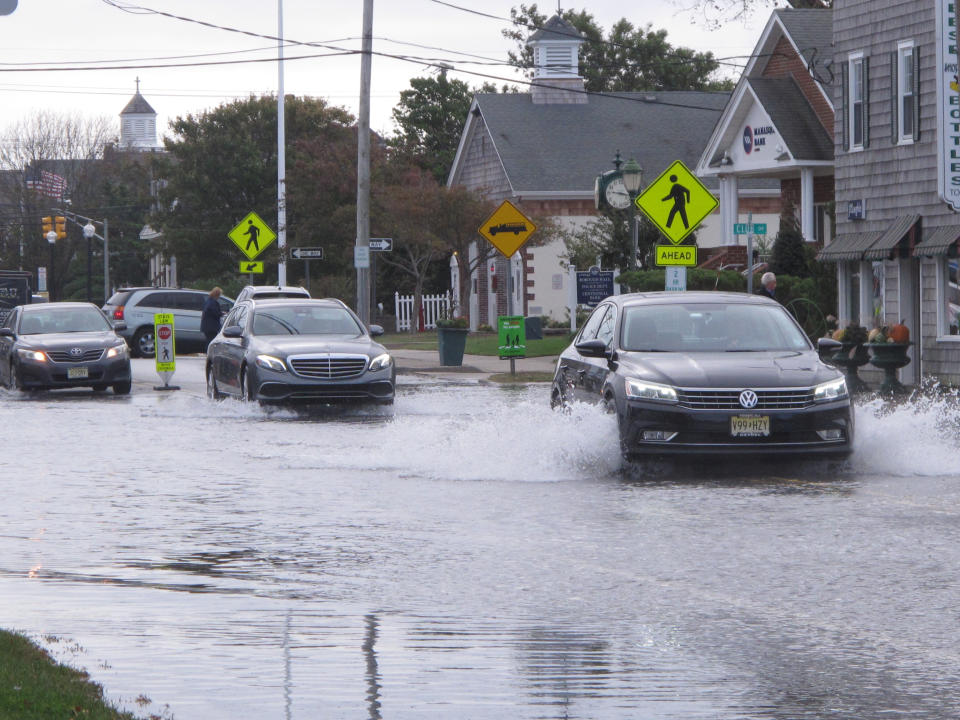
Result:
[{"x": 164, "y": 349}]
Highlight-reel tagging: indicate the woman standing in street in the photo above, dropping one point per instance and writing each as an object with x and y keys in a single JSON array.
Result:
[{"x": 210, "y": 318}]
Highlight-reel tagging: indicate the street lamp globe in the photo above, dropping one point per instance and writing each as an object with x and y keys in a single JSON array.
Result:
[
  {"x": 89, "y": 230},
  {"x": 51, "y": 237},
  {"x": 632, "y": 176}
]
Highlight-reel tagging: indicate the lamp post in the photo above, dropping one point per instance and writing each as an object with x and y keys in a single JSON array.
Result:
[
  {"x": 632, "y": 178},
  {"x": 52, "y": 239}
]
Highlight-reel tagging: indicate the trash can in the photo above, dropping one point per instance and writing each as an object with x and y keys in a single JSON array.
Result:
[{"x": 534, "y": 327}]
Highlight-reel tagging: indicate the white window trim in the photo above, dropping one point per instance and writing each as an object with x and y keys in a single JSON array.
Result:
[
  {"x": 904, "y": 50},
  {"x": 943, "y": 322},
  {"x": 851, "y": 63}
]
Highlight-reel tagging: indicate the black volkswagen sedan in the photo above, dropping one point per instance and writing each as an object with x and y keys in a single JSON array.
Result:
[
  {"x": 63, "y": 345},
  {"x": 299, "y": 350},
  {"x": 707, "y": 372}
]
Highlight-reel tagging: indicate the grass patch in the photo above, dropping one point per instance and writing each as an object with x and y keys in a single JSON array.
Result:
[
  {"x": 35, "y": 687},
  {"x": 477, "y": 343}
]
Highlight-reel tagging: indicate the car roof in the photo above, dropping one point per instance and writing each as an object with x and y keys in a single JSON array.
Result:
[
  {"x": 275, "y": 288},
  {"x": 332, "y": 302},
  {"x": 667, "y": 297},
  {"x": 55, "y": 305}
]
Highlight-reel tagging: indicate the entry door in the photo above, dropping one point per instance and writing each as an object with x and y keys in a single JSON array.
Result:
[{"x": 910, "y": 315}]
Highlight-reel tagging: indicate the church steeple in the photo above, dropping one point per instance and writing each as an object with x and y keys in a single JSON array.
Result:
[
  {"x": 138, "y": 124},
  {"x": 556, "y": 63}
]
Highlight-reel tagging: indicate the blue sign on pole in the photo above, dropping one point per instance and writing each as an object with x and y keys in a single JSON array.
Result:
[{"x": 594, "y": 286}]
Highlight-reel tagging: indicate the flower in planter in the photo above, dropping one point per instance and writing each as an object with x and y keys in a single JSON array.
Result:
[{"x": 454, "y": 322}]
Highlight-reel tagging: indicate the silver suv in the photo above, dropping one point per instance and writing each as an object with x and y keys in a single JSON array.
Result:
[{"x": 135, "y": 307}]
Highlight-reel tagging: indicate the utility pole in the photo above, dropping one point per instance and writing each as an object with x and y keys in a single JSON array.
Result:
[
  {"x": 281, "y": 157},
  {"x": 362, "y": 250}
]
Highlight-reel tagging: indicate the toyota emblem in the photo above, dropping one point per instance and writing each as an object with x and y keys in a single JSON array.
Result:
[
  {"x": 748, "y": 399},
  {"x": 76, "y": 352}
]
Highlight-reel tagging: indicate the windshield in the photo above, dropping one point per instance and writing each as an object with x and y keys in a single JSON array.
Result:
[
  {"x": 304, "y": 320},
  {"x": 713, "y": 327},
  {"x": 63, "y": 320}
]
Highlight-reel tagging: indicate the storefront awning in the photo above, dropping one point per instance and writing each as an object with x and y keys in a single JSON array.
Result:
[
  {"x": 881, "y": 249},
  {"x": 848, "y": 247},
  {"x": 938, "y": 241},
  {"x": 868, "y": 245}
]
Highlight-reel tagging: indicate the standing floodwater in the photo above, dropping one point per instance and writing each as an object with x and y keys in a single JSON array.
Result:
[{"x": 472, "y": 554}]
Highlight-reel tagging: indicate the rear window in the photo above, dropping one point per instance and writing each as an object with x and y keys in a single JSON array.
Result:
[{"x": 120, "y": 297}]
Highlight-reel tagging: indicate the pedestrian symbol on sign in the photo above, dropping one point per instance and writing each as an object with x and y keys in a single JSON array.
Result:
[{"x": 680, "y": 196}]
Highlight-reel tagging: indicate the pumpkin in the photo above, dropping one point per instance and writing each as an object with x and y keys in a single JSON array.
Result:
[{"x": 899, "y": 333}]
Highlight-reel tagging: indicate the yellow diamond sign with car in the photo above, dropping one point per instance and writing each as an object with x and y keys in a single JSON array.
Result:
[
  {"x": 507, "y": 228},
  {"x": 676, "y": 202},
  {"x": 252, "y": 235}
]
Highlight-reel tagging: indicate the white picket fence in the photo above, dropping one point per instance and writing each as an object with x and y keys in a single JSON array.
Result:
[{"x": 434, "y": 307}]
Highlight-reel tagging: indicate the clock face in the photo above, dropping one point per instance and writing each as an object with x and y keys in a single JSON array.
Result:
[{"x": 617, "y": 194}]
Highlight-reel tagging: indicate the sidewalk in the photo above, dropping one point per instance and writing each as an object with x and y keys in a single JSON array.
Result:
[{"x": 428, "y": 362}]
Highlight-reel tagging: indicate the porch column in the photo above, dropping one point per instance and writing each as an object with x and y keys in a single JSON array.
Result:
[
  {"x": 729, "y": 207},
  {"x": 866, "y": 295},
  {"x": 806, "y": 203},
  {"x": 843, "y": 294}
]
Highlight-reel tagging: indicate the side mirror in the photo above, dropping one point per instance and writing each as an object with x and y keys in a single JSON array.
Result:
[
  {"x": 119, "y": 326},
  {"x": 376, "y": 330},
  {"x": 7, "y": 332},
  {"x": 592, "y": 348},
  {"x": 233, "y": 331},
  {"x": 827, "y": 347}
]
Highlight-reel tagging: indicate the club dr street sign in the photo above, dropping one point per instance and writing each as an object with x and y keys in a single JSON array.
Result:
[
  {"x": 381, "y": 244},
  {"x": 676, "y": 202},
  {"x": 252, "y": 235},
  {"x": 670, "y": 255},
  {"x": 507, "y": 228},
  {"x": 741, "y": 228},
  {"x": 306, "y": 253},
  {"x": 251, "y": 267}
]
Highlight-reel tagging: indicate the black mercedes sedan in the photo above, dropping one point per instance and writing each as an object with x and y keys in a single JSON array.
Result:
[
  {"x": 63, "y": 345},
  {"x": 707, "y": 373},
  {"x": 299, "y": 350}
]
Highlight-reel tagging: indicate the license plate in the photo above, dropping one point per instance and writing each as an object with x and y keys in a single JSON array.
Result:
[
  {"x": 750, "y": 425},
  {"x": 76, "y": 373}
]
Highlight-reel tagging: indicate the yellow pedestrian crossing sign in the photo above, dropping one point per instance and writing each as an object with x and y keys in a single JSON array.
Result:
[
  {"x": 676, "y": 202},
  {"x": 251, "y": 267},
  {"x": 507, "y": 228},
  {"x": 252, "y": 235}
]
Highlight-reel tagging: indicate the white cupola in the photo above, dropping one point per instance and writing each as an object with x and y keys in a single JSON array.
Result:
[
  {"x": 556, "y": 63},
  {"x": 138, "y": 124}
]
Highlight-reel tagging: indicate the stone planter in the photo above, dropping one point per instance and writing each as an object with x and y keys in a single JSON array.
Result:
[
  {"x": 451, "y": 343},
  {"x": 889, "y": 357},
  {"x": 850, "y": 357}
]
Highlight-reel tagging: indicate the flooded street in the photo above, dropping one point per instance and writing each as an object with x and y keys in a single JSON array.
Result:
[{"x": 471, "y": 554}]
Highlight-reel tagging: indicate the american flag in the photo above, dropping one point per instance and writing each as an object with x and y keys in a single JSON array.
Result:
[{"x": 49, "y": 184}]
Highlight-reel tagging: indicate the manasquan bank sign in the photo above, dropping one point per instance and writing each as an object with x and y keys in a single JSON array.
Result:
[{"x": 948, "y": 104}]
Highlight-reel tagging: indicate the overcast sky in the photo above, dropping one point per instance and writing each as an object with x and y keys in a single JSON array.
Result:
[{"x": 97, "y": 35}]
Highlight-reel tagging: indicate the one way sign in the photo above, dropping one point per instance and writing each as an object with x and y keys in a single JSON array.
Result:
[{"x": 381, "y": 244}]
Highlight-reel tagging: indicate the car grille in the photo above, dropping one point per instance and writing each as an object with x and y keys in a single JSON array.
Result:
[
  {"x": 329, "y": 367},
  {"x": 788, "y": 399},
  {"x": 63, "y": 356}
]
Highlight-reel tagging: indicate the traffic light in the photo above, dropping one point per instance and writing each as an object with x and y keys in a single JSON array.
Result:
[
  {"x": 61, "y": 227},
  {"x": 47, "y": 224}
]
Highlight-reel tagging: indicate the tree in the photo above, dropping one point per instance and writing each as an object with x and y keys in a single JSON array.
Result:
[
  {"x": 63, "y": 145},
  {"x": 628, "y": 59},
  {"x": 721, "y": 12},
  {"x": 607, "y": 239},
  {"x": 223, "y": 165},
  {"x": 429, "y": 120},
  {"x": 789, "y": 251}
]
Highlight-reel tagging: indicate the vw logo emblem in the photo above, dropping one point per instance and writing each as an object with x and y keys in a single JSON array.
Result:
[
  {"x": 76, "y": 352},
  {"x": 748, "y": 399}
]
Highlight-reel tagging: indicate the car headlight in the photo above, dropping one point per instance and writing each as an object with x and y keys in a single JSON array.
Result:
[
  {"x": 645, "y": 390},
  {"x": 271, "y": 363},
  {"x": 34, "y": 355},
  {"x": 117, "y": 350},
  {"x": 380, "y": 362},
  {"x": 833, "y": 390}
]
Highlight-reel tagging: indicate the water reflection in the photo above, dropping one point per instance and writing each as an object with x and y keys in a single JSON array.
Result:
[{"x": 371, "y": 625}]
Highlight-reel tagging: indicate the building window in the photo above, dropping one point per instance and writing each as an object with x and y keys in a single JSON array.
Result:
[
  {"x": 857, "y": 92},
  {"x": 948, "y": 296},
  {"x": 906, "y": 91},
  {"x": 822, "y": 223}
]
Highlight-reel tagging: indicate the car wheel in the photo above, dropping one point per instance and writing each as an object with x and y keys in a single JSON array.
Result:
[
  {"x": 213, "y": 392},
  {"x": 14, "y": 379},
  {"x": 246, "y": 386},
  {"x": 143, "y": 342},
  {"x": 610, "y": 405},
  {"x": 122, "y": 388}
]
